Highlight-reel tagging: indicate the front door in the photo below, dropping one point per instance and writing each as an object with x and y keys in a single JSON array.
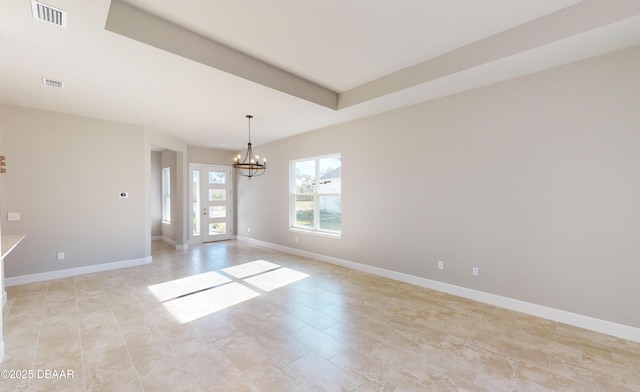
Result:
[{"x": 211, "y": 202}]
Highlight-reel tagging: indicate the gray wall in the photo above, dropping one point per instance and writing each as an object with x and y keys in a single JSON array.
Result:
[
  {"x": 168, "y": 159},
  {"x": 535, "y": 180},
  {"x": 180, "y": 216},
  {"x": 66, "y": 174},
  {"x": 156, "y": 194},
  {"x": 210, "y": 156},
  {"x": 2, "y": 128}
]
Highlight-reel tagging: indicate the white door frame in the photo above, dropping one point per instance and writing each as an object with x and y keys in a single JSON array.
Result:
[{"x": 198, "y": 239}]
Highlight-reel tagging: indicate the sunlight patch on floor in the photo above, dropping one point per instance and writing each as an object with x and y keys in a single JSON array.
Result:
[
  {"x": 275, "y": 279},
  {"x": 251, "y": 268},
  {"x": 200, "y": 304},
  {"x": 196, "y": 296},
  {"x": 183, "y": 286}
]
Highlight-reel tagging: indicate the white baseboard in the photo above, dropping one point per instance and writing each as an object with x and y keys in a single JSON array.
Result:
[
  {"x": 65, "y": 273},
  {"x": 578, "y": 320},
  {"x": 170, "y": 242},
  {"x": 165, "y": 240}
]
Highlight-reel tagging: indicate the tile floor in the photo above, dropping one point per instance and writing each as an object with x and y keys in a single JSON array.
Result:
[{"x": 231, "y": 316}]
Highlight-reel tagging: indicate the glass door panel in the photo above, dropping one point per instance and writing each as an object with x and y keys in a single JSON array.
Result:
[
  {"x": 218, "y": 228},
  {"x": 217, "y": 194},
  {"x": 211, "y": 202},
  {"x": 217, "y": 211}
]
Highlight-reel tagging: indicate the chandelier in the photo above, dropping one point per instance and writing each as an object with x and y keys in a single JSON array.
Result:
[{"x": 250, "y": 166}]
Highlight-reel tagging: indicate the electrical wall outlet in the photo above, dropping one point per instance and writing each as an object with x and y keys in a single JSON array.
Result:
[
  {"x": 60, "y": 255},
  {"x": 475, "y": 271},
  {"x": 440, "y": 264},
  {"x": 13, "y": 216}
]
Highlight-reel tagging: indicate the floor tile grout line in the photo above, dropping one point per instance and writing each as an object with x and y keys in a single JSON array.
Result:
[
  {"x": 515, "y": 369},
  {"x": 276, "y": 359},
  {"x": 515, "y": 330},
  {"x": 165, "y": 340},
  {"x": 257, "y": 343},
  {"x": 478, "y": 374},
  {"x": 84, "y": 373},
  {"x": 35, "y": 354},
  {"x": 121, "y": 334},
  {"x": 4, "y": 319}
]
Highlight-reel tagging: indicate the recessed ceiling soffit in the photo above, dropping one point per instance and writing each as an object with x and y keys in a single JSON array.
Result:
[{"x": 134, "y": 23}]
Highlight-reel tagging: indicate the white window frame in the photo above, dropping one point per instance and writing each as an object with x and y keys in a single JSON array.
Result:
[
  {"x": 316, "y": 230},
  {"x": 166, "y": 195}
]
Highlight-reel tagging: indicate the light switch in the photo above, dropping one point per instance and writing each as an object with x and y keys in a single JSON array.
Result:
[{"x": 13, "y": 216}]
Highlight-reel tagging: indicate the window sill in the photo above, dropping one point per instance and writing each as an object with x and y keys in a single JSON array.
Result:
[{"x": 317, "y": 233}]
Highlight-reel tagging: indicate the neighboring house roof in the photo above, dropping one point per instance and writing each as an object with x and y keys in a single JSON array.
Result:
[{"x": 335, "y": 173}]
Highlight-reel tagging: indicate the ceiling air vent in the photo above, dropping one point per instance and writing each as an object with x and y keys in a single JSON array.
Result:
[
  {"x": 52, "y": 83},
  {"x": 49, "y": 14}
]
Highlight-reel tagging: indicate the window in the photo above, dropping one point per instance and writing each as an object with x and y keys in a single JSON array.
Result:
[
  {"x": 166, "y": 195},
  {"x": 315, "y": 201},
  {"x": 195, "y": 208}
]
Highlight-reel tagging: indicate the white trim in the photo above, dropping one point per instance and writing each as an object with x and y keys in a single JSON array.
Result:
[
  {"x": 578, "y": 320},
  {"x": 170, "y": 242},
  {"x": 316, "y": 196},
  {"x": 1, "y": 350},
  {"x": 65, "y": 273},
  {"x": 198, "y": 240},
  {"x": 166, "y": 194},
  {"x": 4, "y": 297},
  {"x": 318, "y": 233},
  {"x": 165, "y": 240}
]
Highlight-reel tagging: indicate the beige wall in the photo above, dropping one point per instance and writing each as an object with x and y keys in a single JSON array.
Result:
[
  {"x": 536, "y": 181},
  {"x": 168, "y": 159},
  {"x": 2, "y": 130},
  {"x": 156, "y": 194},
  {"x": 210, "y": 156},
  {"x": 66, "y": 175},
  {"x": 180, "y": 215}
]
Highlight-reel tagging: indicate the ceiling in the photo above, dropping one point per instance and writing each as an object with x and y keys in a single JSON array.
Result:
[{"x": 193, "y": 69}]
